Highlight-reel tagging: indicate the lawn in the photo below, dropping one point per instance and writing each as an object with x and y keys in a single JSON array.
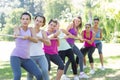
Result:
[{"x": 111, "y": 62}]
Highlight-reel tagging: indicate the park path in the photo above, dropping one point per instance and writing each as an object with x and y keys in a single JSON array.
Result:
[{"x": 108, "y": 50}]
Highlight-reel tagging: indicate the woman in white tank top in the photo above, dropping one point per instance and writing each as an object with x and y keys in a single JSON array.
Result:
[{"x": 36, "y": 49}]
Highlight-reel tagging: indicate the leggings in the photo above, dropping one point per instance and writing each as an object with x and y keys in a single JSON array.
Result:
[
  {"x": 88, "y": 50},
  {"x": 55, "y": 58},
  {"x": 80, "y": 56},
  {"x": 70, "y": 55}
]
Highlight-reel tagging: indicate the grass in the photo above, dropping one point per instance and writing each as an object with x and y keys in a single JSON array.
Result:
[
  {"x": 111, "y": 62},
  {"x": 112, "y": 71}
]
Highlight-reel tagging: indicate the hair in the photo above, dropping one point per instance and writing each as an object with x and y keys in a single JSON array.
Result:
[
  {"x": 88, "y": 24},
  {"x": 44, "y": 19},
  {"x": 53, "y": 20},
  {"x": 80, "y": 25},
  {"x": 96, "y": 18},
  {"x": 25, "y": 13}
]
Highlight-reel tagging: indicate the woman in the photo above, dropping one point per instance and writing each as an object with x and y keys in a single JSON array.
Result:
[
  {"x": 98, "y": 38},
  {"x": 36, "y": 49},
  {"x": 89, "y": 45},
  {"x": 51, "y": 51},
  {"x": 73, "y": 28},
  {"x": 66, "y": 51},
  {"x": 20, "y": 55}
]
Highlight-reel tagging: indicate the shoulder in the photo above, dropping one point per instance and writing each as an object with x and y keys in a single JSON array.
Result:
[
  {"x": 100, "y": 29},
  {"x": 70, "y": 26}
]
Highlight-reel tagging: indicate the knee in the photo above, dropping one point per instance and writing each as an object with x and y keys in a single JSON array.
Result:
[
  {"x": 38, "y": 76},
  {"x": 44, "y": 70},
  {"x": 61, "y": 67}
]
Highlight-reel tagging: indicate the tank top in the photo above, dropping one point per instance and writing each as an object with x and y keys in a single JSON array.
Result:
[
  {"x": 64, "y": 45},
  {"x": 86, "y": 44},
  {"x": 73, "y": 32},
  {"x": 53, "y": 48},
  {"x": 36, "y": 49},
  {"x": 22, "y": 46},
  {"x": 97, "y": 36}
]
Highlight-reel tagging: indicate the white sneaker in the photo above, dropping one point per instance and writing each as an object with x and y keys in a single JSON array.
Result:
[
  {"x": 76, "y": 78},
  {"x": 64, "y": 77},
  {"x": 102, "y": 68},
  {"x": 83, "y": 75},
  {"x": 84, "y": 66},
  {"x": 92, "y": 71}
]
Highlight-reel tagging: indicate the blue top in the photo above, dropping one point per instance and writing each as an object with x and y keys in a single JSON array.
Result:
[{"x": 97, "y": 35}]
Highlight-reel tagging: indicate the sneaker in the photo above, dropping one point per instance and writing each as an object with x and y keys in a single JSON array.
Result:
[
  {"x": 84, "y": 66},
  {"x": 102, "y": 68},
  {"x": 64, "y": 77},
  {"x": 92, "y": 71},
  {"x": 83, "y": 75},
  {"x": 76, "y": 78}
]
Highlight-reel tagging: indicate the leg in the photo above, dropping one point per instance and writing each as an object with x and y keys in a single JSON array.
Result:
[
  {"x": 90, "y": 52},
  {"x": 99, "y": 47},
  {"x": 16, "y": 68},
  {"x": 70, "y": 55},
  {"x": 84, "y": 52},
  {"x": 43, "y": 64},
  {"x": 32, "y": 68},
  {"x": 80, "y": 56},
  {"x": 66, "y": 66},
  {"x": 58, "y": 61}
]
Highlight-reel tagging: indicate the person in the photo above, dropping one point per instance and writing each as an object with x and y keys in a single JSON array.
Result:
[
  {"x": 36, "y": 49},
  {"x": 51, "y": 52},
  {"x": 20, "y": 56},
  {"x": 98, "y": 38},
  {"x": 89, "y": 46},
  {"x": 73, "y": 28},
  {"x": 65, "y": 50}
]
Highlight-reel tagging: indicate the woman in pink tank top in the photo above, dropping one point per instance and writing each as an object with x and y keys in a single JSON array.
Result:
[{"x": 89, "y": 46}]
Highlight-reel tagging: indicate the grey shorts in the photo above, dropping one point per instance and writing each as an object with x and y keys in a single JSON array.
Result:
[{"x": 99, "y": 47}]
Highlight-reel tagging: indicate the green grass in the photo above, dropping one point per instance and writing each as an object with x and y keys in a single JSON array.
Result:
[{"x": 112, "y": 71}]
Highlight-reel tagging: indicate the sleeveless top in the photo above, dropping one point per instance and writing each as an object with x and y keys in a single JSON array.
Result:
[
  {"x": 73, "y": 32},
  {"x": 22, "y": 46},
  {"x": 97, "y": 35},
  {"x": 53, "y": 48},
  {"x": 64, "y": 45},
  {"x": 86, "y": 44},
  {"x": 36, "y": 49}
]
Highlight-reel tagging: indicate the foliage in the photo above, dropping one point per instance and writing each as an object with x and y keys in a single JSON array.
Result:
[
  {"x": 11, "y": 21},
  {"x": 54, "y": 8},
  {"x": 65, "y": 10}
]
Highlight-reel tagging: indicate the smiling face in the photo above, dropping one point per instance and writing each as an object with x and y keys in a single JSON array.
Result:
[
  {"x": 39, "y": 21},
  {"x": 52, "y": 26},
  {"x": 88, "y": 27},
  {"x": 77, "y": 22}
]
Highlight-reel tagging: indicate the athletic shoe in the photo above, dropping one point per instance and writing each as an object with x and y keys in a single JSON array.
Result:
[
  {"x": 92, "y": 71},
  {"x": 64, "y": 77},
  {"x": 102, "y": 68},
  {"x": 84, "y": 66},
  {"x": 83, "y": 75},
  {"x": 76, "y": 78}
]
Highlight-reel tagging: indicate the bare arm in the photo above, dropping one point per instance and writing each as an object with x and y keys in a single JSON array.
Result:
[{"x": 45, "y": 39}]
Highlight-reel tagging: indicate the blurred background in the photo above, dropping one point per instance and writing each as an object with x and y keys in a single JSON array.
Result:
[{"x": 64, "y": 10}]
